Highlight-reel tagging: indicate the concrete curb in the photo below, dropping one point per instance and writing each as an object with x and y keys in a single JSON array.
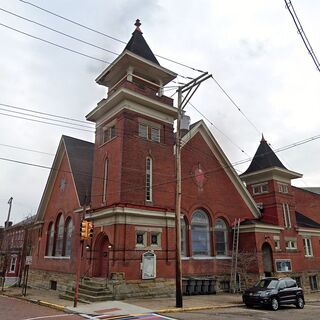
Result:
[
  {"x": 187, "y": 309},
  {"x": 51, "y": 305}
]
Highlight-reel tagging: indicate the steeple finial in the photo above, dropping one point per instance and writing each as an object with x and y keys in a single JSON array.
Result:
[
  {"x": 138, "y": 24},
  {"x": 263, "y": 139}
]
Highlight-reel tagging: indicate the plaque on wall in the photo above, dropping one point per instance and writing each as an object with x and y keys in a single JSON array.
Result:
[{"x": 148, "y": 265}]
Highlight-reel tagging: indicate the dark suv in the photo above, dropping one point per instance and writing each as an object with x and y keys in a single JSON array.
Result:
[{"x": 274, "y": 292}]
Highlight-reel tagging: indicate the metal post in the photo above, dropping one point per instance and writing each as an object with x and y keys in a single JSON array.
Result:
[
  {"x": 9, "y": 212},
  {"x": 78, "y": 272},
  {"x": 179, "y": 302},
  {"x": 76, "y": 288}
]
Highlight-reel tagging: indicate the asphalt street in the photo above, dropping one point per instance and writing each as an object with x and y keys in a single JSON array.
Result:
[
  {"x": 311, "y": 311},
  {"x": 15, "y": 309}
]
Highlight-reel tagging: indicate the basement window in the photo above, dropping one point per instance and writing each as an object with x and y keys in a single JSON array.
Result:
[
  {"x": 283, "y": 265},
  {"x": 53, "y": 285}
]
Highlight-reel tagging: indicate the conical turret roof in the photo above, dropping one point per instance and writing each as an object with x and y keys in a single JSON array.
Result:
[
  {"x": 264, "y": 158},
  {"x": 138, "y": 45}
]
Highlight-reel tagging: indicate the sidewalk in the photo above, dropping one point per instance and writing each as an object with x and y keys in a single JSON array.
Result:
[{"x": 51, "y": 298}]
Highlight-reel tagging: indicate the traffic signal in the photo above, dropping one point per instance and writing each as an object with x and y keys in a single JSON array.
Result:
[
  {"x": 90, "y": 230},
  {"x": 84, "y": 230}
]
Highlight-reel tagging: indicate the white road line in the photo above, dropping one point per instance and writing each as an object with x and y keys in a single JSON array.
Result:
[{"x": 47, "y": 317}]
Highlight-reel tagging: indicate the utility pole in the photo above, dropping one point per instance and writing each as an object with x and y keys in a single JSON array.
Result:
[
  {"x": 9, "y": 212},
  {"x": 190, "y": 88}
]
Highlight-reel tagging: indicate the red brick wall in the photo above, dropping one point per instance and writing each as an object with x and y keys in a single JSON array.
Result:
[
  {"x": 127, "y": 164},
  {"x": 60, "y": 202},
  {"x": 218, "y": 197}
]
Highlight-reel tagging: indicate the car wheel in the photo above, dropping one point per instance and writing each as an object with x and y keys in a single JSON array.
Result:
[
  {"x": 300, "y": 303},
  {"x": 274, "y": 304}
]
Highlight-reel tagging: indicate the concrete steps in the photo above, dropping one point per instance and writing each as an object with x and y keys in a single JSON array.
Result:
[{"x": 90, "y": 290}]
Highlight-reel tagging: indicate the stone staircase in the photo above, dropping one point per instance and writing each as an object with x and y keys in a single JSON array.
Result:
[{"x": 90, "y": 290}]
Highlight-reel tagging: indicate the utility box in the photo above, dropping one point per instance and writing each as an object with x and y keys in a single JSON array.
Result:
[{"x": 149, "y": 262}]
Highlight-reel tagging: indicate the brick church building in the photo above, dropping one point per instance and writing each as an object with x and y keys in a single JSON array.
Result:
[{"x": 124, "y": 183}]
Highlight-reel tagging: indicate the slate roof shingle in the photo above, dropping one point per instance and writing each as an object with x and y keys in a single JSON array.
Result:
[
  {"x": 264, "y": 158},
  {"x": 306, "y": 222},
  {"x": 80, "y": 154},
  {"x": 138, "y": 45}
]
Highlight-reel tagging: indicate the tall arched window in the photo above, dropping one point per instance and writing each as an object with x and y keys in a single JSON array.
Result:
[
  {"x": 59, "y": 236},
  {"x": 50, "y": 238},
  {"x": 148, "y": 179},
  {"x": 183, "y": 237},
  {"x": 68, "y": 237},
  {"x": 200, "y": 234},
  {"x": 105, "y": 181},
  {"x": 221, "y": 237}
]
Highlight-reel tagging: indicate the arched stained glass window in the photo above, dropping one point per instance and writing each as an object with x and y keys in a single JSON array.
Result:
[
  {"x": 59, "y": 236},
  {"x": 68, "y": 237},
  {"x": 50, "y": 239},
  {"x": 221, "y": 237},
  {"x": 200, "y": 234},
  {"x": 183, "y": 227}
]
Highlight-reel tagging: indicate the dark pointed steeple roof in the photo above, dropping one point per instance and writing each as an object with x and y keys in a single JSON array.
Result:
[
  {"x": 264, "y": 158},
  {"x": 138, "y": 45}
]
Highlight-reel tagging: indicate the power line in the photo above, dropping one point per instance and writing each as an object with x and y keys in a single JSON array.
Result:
[
  {"x": 26, "y": 149},
  {"x": 43, "y": 113},
  {"x": 214, "y": 126},
  {"x": 191, "y": 175},
  {"x": 53, "y": 124},
  {"x": 59, "y": 32},
  {"x": 235, "y": 105},
  {"x": 45, "y": 118},
  {"x": 104, "y": 34},
  {"x": 303, "y": 36},
  {"x": 54, "y": 44},
  {"x": 72, "y": 21}
]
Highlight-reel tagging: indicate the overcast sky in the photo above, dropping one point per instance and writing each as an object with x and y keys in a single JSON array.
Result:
[{"x": 251, "y": 47}]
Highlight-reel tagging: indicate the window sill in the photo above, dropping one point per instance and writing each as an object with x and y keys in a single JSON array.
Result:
[
  {"x": 57, "y": 258},
  {"x": 222, "y": 257},
  {"x": 202, "y": 258},
  {"x": 101, "y": 145},
  {"x": 185, "y": 258}
]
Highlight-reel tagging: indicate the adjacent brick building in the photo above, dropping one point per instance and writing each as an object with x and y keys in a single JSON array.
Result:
[{"x": 125, "y": 184}]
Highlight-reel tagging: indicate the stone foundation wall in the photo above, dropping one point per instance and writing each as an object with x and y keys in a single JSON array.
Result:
[
  {"x": 304, "y": 279},
  {"x": 44, "y": 279}
]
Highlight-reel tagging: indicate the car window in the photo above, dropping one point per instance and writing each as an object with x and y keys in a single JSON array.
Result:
[
  {"x": 267, "y": 283},
  {"x": 282, "y": 285},
  {"x": 290, "y": 283}
]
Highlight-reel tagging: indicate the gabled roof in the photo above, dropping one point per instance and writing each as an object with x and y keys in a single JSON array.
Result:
[
  {"x": 201, "y": 128},
  {"x": 80, "y": 158},
  {"x": 264, "y": 158},
  {"x": 138, "y": 45},
  {"x": 305, "y": 222},
  {"x": 27, "y": 221},
  {"x": 80, "y": 154},
  {"x": 312, "y": 189}
]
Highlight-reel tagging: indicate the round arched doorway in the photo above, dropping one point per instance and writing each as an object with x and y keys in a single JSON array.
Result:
[
  {"x": 101, "y": 256},
  {"x": 267, "y": 259}
]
